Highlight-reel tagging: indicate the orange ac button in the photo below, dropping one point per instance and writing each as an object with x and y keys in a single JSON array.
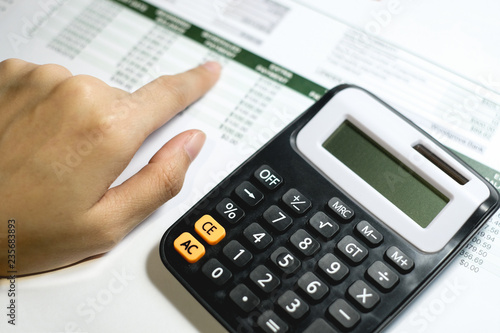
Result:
[
  {"x": 189, "y": 247},
  {"x": 209, "y": 229}
]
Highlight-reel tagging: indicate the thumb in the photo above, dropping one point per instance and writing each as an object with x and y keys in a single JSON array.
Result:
[{"x": 128, "y": 204}]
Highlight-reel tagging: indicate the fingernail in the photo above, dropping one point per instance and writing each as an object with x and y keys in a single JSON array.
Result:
[
  {"x": 212, "y": 66},
  {"x": 194, "y": 144}
]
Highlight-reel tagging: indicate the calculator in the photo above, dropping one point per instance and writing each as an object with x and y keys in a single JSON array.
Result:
[{"x": 335, "y": 225}]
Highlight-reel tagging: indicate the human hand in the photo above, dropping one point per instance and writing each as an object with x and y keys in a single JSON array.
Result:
[{"x": 64, "y": 139}]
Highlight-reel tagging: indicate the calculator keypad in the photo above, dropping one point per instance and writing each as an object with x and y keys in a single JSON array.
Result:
[{"x": 295, "y": 259}]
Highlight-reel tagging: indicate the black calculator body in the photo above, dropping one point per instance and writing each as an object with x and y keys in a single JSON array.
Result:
[{"x": 287, "y": 243}]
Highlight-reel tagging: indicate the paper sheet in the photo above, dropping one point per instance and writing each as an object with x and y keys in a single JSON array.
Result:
[{"x": 276, "y": 64}]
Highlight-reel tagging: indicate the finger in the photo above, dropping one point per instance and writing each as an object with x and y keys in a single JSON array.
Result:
[
  {"x": 24, "y": 85},
  {"x": 17, "y": 75},
  {"x": 158, "y": 101},
  {"x": 13, "y": 69},
  {"x": 128, "y": 204},
  {"x": 42, "y": 78}
]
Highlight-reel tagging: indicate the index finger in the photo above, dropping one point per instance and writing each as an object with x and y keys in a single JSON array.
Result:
[{"x": 158, "y": 101}]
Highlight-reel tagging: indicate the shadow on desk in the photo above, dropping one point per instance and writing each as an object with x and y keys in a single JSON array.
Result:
[{"x": 165, "y": 282}]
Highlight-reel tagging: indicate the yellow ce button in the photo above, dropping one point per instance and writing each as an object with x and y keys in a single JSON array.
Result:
[{"x": 209, "y": 229}]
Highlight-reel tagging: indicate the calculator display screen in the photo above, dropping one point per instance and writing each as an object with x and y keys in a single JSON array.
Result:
[{"x": 386, "y": 174}]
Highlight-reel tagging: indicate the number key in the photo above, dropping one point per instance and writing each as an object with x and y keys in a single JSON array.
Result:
[
  {"x": 237, "y": 253},
  {"x": 285, "y": 261},
  {"x": 333, "y": 268},
  {"x": 264, "y": 279},
  {"x": 312, "y": 286},
  {"x": 277, "y": 218},
  {"x": 216, "y": 272},
  {"x": 257, "y": 236},
  {"x": 303, "y": 242},
  {"x": 293, "y": 305}
]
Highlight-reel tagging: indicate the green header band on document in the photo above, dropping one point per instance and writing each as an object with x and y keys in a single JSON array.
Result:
[{"x": 227, "y": 49}]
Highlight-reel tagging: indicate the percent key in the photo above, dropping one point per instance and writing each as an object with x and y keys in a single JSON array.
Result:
[{"x": 229, "y": 211}]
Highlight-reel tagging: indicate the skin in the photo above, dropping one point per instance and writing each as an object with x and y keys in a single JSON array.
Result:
[{"x": 64, "y": 139}]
